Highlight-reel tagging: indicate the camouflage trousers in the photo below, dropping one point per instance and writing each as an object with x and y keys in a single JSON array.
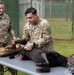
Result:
[{"x": 12, "y": 71}]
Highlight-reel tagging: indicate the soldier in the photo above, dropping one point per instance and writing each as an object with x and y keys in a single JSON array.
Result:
[
  {"x": 38, "y": 31},
  {"x": 6, "y": 30}
]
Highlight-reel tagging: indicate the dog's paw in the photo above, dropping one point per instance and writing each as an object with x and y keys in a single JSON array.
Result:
[
  {"x": 42, "y": 64},
  {"x": 43, "y": 69}
]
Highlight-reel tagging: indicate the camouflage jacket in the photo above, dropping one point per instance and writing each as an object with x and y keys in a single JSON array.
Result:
[
  {"x": 35, "y": 33},
  {"x": 6, "y": 29}
]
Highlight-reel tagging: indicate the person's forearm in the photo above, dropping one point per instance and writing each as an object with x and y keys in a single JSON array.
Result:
[
  {"x": 12, "y": 34},
  {"x": 41, "y": 42}
]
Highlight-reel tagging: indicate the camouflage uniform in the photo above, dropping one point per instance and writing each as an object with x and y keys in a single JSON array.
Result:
[
  {"x": 35, "y": 33},
  {"x": 6, "y": 30}
]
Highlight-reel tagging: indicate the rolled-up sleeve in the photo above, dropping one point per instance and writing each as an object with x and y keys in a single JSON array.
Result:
[
  {"x": 25, "y": 33},
  {"x": 11, "y": 30}
]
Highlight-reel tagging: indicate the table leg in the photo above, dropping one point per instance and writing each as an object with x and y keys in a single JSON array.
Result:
[
  {"x": 1, "y": 70},
  {"x": 12, "y": 71}
]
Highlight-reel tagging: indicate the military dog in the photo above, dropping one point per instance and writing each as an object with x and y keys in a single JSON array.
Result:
[{"x": 44, "y": 60}]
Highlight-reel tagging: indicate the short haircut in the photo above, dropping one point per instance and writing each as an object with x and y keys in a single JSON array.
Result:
[
  {"x": 1, "y": 2},
  {"x": 31, "y": 10}
]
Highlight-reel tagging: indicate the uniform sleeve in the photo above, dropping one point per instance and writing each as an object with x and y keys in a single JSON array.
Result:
[
  {"x": 45, "y": 35},
  {"x": 25, "y": 33},
  {"x": 11, "y": 30}
]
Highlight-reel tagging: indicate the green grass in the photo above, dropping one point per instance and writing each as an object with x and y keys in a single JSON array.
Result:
[
  {"x": 64, "y": 47},
  {"x": 61, "y": 28}
]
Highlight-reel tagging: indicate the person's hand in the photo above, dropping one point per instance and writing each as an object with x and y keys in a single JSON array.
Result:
[
  {"x": 9, "y": 47},
  {"x": 22, "y": 46},
  {"x": 30, "y": 46},
  {"x": 14, "y": 38}
]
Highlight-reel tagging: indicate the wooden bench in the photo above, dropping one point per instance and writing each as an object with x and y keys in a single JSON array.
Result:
[{"x": 28, "y": 66}]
